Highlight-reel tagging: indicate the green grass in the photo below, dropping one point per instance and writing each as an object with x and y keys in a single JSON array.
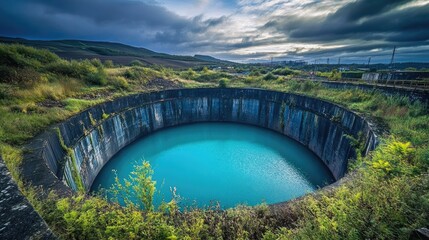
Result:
[
  {"x": 75, "y": 105},
  {"x": 387, "y": 199},
  {"x": 119, "y": 53}
]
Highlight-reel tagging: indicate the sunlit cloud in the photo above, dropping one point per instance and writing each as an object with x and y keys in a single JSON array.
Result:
[{"x": 241, "y": 30}]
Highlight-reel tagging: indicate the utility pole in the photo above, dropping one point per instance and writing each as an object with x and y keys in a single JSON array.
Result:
[
  {"x": 393, "y": 56},
  {"x": 314, "y": 67},
  {"x": 339, "y": 60},
  {"x": 327, "y": 61},
  {"x": 271, "y": 60},
  {"x": 369, "y": 61}
]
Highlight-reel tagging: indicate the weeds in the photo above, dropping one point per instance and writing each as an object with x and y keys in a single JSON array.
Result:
[{"x": 387, "y": 200}]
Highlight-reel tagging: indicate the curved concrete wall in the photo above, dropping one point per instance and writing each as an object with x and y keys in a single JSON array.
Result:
[{"x": 74, "y": 151}]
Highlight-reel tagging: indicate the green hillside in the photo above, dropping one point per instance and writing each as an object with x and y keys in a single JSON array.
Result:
[
  {"x": 117, "y": 52},
  {"x": 211, "y": 59}
]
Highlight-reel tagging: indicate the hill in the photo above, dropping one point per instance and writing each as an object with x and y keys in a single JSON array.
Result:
[
  {"x": 211, "y": 59},
  {"x": 117, "y": 52}
]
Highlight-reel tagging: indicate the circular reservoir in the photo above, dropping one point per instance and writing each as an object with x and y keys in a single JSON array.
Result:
[{"x": 225, "y": 162}]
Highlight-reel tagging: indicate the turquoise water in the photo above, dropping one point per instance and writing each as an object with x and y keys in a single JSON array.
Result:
[{"x": 224, "y": 162}]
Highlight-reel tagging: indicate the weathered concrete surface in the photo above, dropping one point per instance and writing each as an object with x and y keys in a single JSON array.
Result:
[
  {"x": 88, "y": 140},
  {"x": 18, "y": 219},
  {"x": 420, "y": 234},
  {"x": 412, "y": 94}
]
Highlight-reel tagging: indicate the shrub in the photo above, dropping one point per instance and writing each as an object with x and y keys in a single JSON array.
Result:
[
  {"x": 189, "y": 74},
  {"x": 335, "y": 75},
  {"x": 21, "y": 65},
  {"x": 269, "y": 77},
  {"x": 108, "y": 64},
  {"x": 96, "y": 63},
  {"x": 73, "y": 68},
  {"x": 223, "y": 83},
  {"x": 26, "y": 76},
  {"x": 376, "y": 205},
  {"x": 138, "y": 190},
  {"x": 15, "y": 55},
  {"x": 98, "y": 78},
  {"x": 141, "y": 74},
  {"x": 4, "y": 91},
  {"x": 205, "y": 70},
  {"x": 255, "y": 73},
  {"x": 119, "y": 82},
  {"x": 284, "y": 71},
  {"x": 302, "y": 86},
  {"x": 136, "y": 63},
  {"x": 211, "y": 76}
]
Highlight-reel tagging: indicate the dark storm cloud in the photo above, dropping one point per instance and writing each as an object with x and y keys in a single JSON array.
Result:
[
  {"x": 130, "y": 13},
  {"x": 129, "y": 21},
  {"x": 187, "y": 35},
  {"x": 364, "y": 20},
  {"x": 353, "y": 27},
  {"x": 365, "y": 8}
]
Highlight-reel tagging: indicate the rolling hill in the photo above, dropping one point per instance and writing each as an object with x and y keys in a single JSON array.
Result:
[
  {"x": 211, "y": 59},
  {"x": 117, "y": 52}
]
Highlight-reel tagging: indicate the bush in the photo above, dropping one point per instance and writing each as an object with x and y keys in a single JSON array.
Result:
[
  {"x": 269, "y": 77},
  {"x": 284, "y": 71},
  {"x": 255, "y": 73},
  {"x": 20, "y": 56},
  {"x": 119, "y": 82},
  {"x": 96, "y": 63},
  {"x": 223, "y": 83},
  {"x": 189, "y": 74},
  {"x": 85, "y": 70},
  {"x": 141, "y": 74},
  {"x": 335, "y": 75},
  {"x": 205, "y": 70},
  {"x": 136, "y": 63},
  {"x": 108, "y": 64},
  {"x": 25, "y": 76},
  {"x": 138, "y": 190},
  {"x": 4, "y": 91},
  {"x": 211, "y": 76},
  {"x": 21, "y": 65},
  {"x": 98, "y": 78},
  {"x": 73, "y": 68},
  {"x": 302, "y": 86}
]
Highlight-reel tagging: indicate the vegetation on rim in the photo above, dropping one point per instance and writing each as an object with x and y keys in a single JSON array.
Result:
[{"x": 388, "y": 198}]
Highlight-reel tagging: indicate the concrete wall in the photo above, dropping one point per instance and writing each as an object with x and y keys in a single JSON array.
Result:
[
  {"x": 75, "y": 154},
  {"x": 18, "y": 219},
  {"x": 413, "y": 94},
  {"x": 395, "y": 75}
]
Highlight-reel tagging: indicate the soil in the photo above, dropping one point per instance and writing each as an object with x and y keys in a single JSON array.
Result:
[
  {"x": 162, "y": 84},
  {"x": 95, "y": 95},
  {"x": 49, "y": 103}
]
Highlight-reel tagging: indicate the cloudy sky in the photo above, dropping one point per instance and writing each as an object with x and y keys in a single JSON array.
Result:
[{"x": 238, "y": 30}]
